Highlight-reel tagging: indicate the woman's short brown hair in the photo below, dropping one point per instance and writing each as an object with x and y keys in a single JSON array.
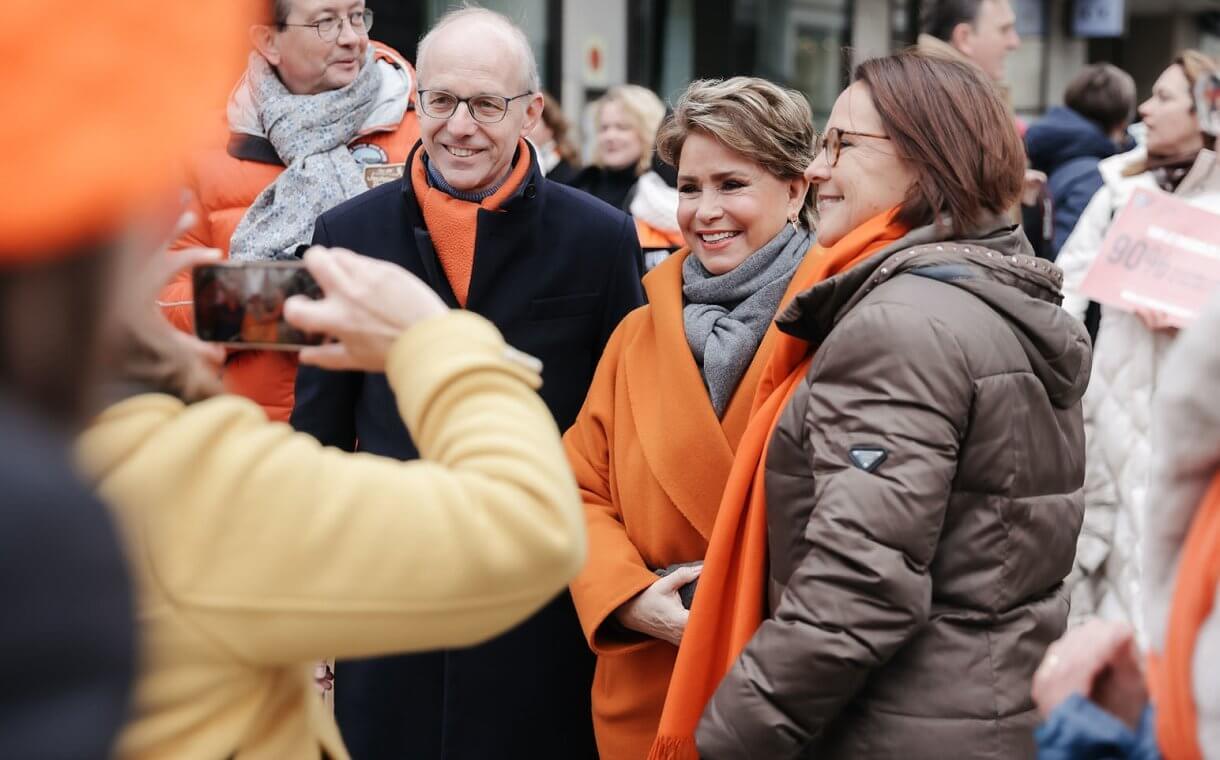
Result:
[
  {"x": 1195, "y": 66},
  {"x": 952, "y": 128},
  {"x": 561, "y": 130},
  {"x": 768, "y": 124},
  {"x": 1103, "y": 94}
]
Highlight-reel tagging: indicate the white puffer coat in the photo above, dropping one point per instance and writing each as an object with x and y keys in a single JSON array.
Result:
[{"x": 1127, "y": 366}]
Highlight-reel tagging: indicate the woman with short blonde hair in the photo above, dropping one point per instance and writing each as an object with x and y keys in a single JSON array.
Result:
[
  {"x": 640, "y": 109},
  {"x": 552, "y": 137},
  {"x": 652, "y": 463},
  {"x": 625, "y": 123}
]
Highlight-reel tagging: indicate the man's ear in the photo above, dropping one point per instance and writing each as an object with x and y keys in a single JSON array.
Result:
[
  {"x": 266, "y": 42},
  {"x": 533, "y": 112},
  {"x": 962, "y": 38}
]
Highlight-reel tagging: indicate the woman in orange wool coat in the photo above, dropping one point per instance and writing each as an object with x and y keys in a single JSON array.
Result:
[
  {"x": 244, "y": 162},
  {"x": 654, "y": 443}
]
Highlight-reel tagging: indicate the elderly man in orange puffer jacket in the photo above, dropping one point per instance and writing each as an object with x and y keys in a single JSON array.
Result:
[{"x": 321, "y": 115}]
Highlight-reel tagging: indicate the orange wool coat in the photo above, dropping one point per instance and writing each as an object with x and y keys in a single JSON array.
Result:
[{"x": 651, "y": 460}]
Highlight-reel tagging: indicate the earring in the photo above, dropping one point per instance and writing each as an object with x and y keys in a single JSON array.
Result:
[{"x": 795, "y": 228}]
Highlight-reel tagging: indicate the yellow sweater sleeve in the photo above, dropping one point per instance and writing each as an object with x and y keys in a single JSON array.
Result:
[{"x": 280, "y": 550}]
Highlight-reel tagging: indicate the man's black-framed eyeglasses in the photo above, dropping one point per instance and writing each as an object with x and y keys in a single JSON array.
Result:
[
  {"x": 331, "y": 27},
  {"x": 487, "y": 109},
  {"x": 832, "y": 142}
]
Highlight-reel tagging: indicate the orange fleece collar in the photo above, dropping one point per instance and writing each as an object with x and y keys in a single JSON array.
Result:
[{"x": 453, "y": 223}]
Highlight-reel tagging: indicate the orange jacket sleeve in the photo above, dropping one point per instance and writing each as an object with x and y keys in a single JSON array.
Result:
[
  {"x": 614, "y": 571},
  {"x": 177, "y": 298}
]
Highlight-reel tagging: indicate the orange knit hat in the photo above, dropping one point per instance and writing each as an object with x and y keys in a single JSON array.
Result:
[{"x": 100, "y": 100}]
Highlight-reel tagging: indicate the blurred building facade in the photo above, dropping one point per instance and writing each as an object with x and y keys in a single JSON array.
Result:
[{"x": 585, "y": 46}]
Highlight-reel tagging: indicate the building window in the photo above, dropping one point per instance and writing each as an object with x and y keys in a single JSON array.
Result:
[
  {"x": 904, "y": 23},
  {"x": 1026, "y": 66},
  {"x": 1209, "y": 34},
  {"x": 678, "y": 54},
  {"x": 661, "y": 45},
  {"x": 798, "y": 43}
]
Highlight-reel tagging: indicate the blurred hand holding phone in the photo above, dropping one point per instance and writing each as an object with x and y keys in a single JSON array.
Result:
[
  {"x": 240, "y": 304},
  {"x": 142, "y": 279},
  {"x": 341, "y": 310}
]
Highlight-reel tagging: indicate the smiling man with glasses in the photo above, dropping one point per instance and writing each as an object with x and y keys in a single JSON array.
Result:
[
  {"x": 325, "y": 59},
  {"x": 555, "y": 270},
  {"x": 282, "y": 159}
]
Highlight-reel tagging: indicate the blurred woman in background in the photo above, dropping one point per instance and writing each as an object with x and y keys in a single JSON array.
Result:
[
  {"x": 1092, "y": 687},
  {"x": 625, "y": 123},
  {"x": 552, "y": 137},
  {"x": 627, "y": 173},
  {"x": 85, "y": 158},
  {"x": 1177, "y": 158}
]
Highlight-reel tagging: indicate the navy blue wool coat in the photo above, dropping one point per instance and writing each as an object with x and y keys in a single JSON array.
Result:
[{"x": 555, "y": 270}]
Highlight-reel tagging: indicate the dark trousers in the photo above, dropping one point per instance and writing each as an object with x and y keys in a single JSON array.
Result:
[{"x": 525, "y": 694}]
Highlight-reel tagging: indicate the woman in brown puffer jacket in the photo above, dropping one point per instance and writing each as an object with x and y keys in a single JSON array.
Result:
[{"x": 923, "y": 480}]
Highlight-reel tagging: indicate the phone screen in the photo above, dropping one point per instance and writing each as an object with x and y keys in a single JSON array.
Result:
[{"x": 241, "y": 304}]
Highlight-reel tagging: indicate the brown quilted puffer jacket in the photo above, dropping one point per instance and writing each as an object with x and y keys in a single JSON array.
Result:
[{"x": 923, "y": 502}]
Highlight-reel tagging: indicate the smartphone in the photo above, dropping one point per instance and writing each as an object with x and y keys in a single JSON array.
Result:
[{"x": 241, "y": 303}]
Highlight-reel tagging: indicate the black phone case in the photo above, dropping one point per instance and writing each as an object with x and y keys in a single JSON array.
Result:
[{"x": 687, "y": 592}]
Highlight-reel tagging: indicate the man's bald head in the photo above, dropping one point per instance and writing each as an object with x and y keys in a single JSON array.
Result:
[
  {"x": 470, "y": 21},
  {"x": 476, "y": 54}
]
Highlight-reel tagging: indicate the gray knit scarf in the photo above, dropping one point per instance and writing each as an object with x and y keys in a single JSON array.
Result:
[
  {"x": 310, "y": 133},
  {"x": 726, "y": 316}
]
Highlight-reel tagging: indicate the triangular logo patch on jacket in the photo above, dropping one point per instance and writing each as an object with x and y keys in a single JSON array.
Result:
[{"x": 868, "y": 458}]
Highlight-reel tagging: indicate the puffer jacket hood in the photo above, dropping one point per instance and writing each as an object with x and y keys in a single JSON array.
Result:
[
  {"x": 998, "y": 268},
  {"x": 1064, "y": 135}
]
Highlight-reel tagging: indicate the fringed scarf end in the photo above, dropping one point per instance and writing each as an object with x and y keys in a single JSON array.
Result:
[{"x": 674, "y": 748}]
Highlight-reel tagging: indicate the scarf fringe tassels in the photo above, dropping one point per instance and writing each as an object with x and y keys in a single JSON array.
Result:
[{"x": 674, "y": 748}]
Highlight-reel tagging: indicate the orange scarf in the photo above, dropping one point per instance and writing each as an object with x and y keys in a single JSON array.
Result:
[
  {"x": 729, "y": 604},
  {"x": 453, "y": 223},
  {"x": 1170, "y": 674}
]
